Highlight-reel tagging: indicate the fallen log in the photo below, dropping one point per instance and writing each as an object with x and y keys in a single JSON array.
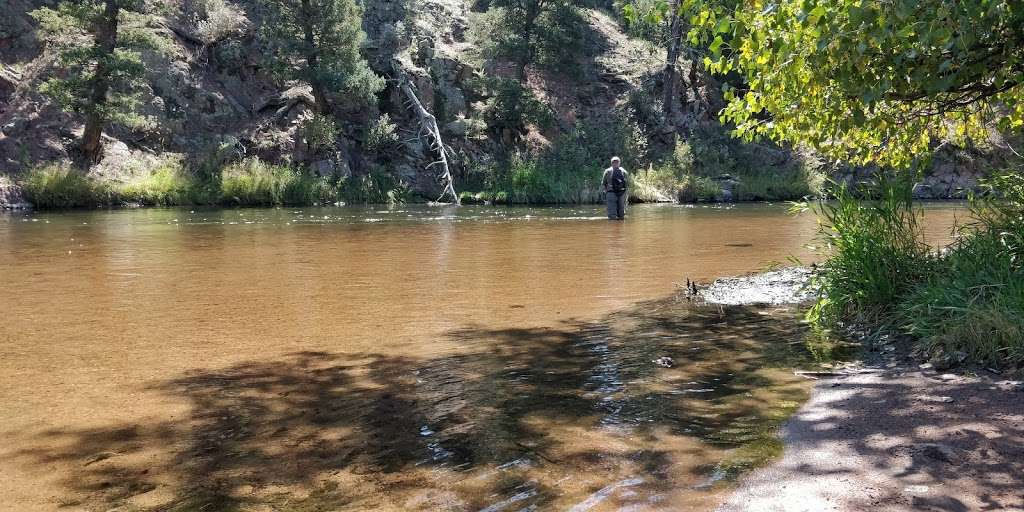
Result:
[{"x": 429, "y": 128}]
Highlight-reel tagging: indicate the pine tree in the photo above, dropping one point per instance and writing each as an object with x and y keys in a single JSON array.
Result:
[
  {"x": 97, "y": 45},
  {"x": 318, "y": 42},
  {"x": 536, "y": 31}
]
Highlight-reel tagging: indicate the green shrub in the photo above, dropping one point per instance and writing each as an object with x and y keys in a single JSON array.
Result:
[
  {"x": 699, "y": 189},
  {"x": 377, "y": 186},
  {"x": 167, "y": 185},
  {"x": 569, "y": 171},
  {"x": 254, "y": 182},
  {"x": 320, "y": 132},
  {"x": 974, "y": 300},
  {"x": 788, "y": 185},
  {"x": 877, "y": 254},
  {"x": 467, "y": 197},
  {"x": 513, "y": 106},
  {"x": 382, "y": 135},
  {"x": 59, "y": 186}
]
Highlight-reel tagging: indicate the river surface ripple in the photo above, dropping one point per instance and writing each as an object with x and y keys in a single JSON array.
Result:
[{"x": 470, "y": 358}]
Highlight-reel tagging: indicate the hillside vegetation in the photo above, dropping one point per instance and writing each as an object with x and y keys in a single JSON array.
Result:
[{"x": 532, "y": 98}]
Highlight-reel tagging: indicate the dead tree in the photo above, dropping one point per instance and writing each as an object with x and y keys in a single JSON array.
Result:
[{"x": 430, "y": 131}]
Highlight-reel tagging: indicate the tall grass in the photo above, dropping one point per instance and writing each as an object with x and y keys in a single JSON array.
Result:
[
  {"x": 569, "y": 171},
  {"x": 877, "y": 253},
  {"x": 167, "y": 185},
  {"x": 973, "y": 303},
  {"x": 255, "y": 182},
  {"x": 251, "y": 182},
  {"x": 789, "y": 185},
  {"x": 60, "y": 186},
  {"x": 968, "y": 299},
  {"x": 375, "y": 187}
]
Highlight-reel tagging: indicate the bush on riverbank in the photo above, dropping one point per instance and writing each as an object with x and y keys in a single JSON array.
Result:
[
  {"x": 60, "y": 186},
  {"x": 250, "y": 182},
  {"x": 569, "y": 171},
  {"x": 964, "y": 302},
  {"x": 973, "y": 302},
  {"x": 167, "y": 185},
  {"x": 255, "y": 182}
]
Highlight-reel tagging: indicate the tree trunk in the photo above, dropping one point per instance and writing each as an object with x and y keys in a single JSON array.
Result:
[
  {"x": 106, "y": 41},
  {"x": 312, "y": 58},
  {"x": 428, "y": 124},
  {"x": 692, "y": 79},
  {"x": 672, "y": 56}
]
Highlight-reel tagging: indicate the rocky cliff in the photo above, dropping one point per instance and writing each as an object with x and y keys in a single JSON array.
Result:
[{"x": 207, "y": 98}]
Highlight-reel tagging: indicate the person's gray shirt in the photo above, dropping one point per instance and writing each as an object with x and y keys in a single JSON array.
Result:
[{"x": 606, "y": 179}]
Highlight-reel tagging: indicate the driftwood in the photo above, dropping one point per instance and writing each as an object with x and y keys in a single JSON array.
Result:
[{"x": 429, "y": 128}]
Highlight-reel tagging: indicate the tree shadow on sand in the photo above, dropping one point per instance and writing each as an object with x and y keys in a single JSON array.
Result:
[
  {"x": 944, "y": 446},
  {"x": 486, "y": 428}
]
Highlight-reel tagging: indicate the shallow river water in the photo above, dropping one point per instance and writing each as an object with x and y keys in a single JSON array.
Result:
[{"x": 420, "y": 358}]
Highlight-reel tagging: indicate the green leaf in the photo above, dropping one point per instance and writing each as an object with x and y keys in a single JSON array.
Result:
[{"x": 716, "y": 45}]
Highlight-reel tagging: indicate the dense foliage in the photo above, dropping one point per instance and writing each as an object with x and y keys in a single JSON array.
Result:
[
  {"x": 546, "y": 32},
  {"x": 868, "y": 81},
  {"x": 877, "y": 252},
  {"x": 963, "y": 303},
  {"x": 318, "y": 42}
]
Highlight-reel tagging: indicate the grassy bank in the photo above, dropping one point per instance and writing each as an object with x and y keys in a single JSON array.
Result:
[
  {"x": 698, "y": 170},
  {"x": 567, "y": 171},
  {"x": 250, "y": 182},
  {"x": 964, "y": 303}
]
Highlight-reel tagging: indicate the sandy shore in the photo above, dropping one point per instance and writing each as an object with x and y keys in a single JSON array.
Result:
[
  {"x": 887, "y": 434},
  {"x": 894, "y": 439}
]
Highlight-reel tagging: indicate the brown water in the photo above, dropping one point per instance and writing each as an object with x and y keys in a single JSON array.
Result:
[{"x": 411, "y": 358}]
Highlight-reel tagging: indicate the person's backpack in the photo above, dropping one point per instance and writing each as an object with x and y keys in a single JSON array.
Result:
[{"x": 618, "y": 180}]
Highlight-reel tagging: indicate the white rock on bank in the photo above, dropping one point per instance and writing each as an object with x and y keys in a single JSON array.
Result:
[{"x": 785, "y": 286}]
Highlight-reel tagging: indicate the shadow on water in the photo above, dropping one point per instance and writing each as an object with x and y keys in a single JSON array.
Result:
[{"x": 576, "y": 417}]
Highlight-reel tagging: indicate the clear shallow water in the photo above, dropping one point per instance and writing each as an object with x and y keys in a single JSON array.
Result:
[{"x": 409, "y": 358}]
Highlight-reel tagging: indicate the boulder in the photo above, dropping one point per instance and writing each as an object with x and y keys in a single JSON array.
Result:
[
  {"x": 922, "y": 191},
  {"x": 9, "y": 81},
  {"x": 15, "y": 127},
  {"x": 10, "y": 196},
  {"x": 322, "y": 168},
  {"x": 458, "y": 128}
]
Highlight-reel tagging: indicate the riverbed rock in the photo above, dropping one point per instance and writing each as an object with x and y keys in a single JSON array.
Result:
[
  {"x": 10, "y": 195},
  {"x": 665, "y": 362},
  {"x": 785, "y": 286},
  {"x": 458, "y": 128},
  {"x": 934, "y": 399},
  {"x": 322, "y": 168}
]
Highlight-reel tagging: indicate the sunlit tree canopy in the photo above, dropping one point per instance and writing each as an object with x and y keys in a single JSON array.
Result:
[{"x": 878, "y": 81}]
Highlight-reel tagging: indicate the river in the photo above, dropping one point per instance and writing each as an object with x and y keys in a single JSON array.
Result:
[{"x": 472, "y": 358}]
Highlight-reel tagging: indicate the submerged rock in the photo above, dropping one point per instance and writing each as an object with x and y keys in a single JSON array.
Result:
[{"x": 664, "y": 361}]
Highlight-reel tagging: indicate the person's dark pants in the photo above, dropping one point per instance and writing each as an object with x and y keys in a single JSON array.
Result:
[{"x": 616, "y": 205}]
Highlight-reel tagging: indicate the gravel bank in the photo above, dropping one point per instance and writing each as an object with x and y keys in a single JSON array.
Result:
[
  {"x": 895, "y": 439},
  {"x": 888, "y": 435},
  {"x": 784, "y": 286}
]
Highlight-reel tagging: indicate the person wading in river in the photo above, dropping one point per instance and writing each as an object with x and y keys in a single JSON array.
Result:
[{"x": 615, "y": 181}]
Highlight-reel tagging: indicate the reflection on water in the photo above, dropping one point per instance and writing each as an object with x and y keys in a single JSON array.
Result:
[{"x": 317, "y": 359}]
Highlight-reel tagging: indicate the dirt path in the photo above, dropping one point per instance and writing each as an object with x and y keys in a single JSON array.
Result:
[
  {"x": 897, "y": 438},
  {"x": 889, "y": 436}
]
